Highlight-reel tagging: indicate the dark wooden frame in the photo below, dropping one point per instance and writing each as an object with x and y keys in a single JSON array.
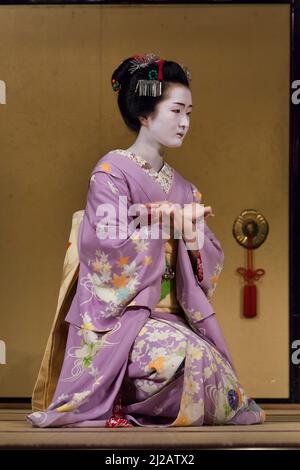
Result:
[{"x": 294, "y": 165}]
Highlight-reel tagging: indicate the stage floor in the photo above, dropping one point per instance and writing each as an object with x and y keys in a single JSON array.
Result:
[{"x": 281, "y": 430}]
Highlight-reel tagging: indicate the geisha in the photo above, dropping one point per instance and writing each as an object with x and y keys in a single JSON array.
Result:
[{"x": 135, "y": 341}]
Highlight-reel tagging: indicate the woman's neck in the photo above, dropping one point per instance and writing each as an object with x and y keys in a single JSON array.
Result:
[{"x": 148, "y": 152}]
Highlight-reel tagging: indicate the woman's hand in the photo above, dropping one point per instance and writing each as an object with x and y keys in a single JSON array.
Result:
[
  {"x": 193, "y": 212},
  {"x": 182, "y": 220},
  {"x": 167, "y": 213}
]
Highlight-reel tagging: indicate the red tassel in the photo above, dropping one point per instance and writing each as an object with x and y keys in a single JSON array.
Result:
[
  {"x": 250, "y": 276},
  {"x": 250, "y": 300}
]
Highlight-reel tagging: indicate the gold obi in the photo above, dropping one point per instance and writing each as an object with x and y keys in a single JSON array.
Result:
[{"x": 168, "y": 301}]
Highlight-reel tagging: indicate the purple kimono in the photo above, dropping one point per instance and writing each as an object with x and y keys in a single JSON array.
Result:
[{"x": 126, "y": 363}]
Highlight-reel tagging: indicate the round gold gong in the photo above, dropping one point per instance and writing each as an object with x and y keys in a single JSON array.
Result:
[{"x": 250, "y": 223}]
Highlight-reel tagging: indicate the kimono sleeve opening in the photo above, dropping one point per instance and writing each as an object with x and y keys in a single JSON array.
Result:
[
  {"x": 118, "y": 263},
  {"x": 209, "y": 263},
  {"x": 207, "y": 268}
]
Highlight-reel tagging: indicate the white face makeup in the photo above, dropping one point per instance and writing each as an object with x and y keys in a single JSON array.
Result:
[{"x": 172, "y": 116}]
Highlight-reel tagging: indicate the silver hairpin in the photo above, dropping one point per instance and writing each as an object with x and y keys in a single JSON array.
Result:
[
  {"x": 149, "y": 88},
  {"x": 143, "y": 61},
  {"x": 186, "y": 71}
]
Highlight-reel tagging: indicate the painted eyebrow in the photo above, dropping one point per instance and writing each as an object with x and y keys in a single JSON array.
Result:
[{"x": 190, "y": 105}]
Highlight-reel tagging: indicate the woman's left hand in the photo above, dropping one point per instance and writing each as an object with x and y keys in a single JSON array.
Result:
[
  {"x": 167, "y": 212},
  {"x": 178, "y": 216}
]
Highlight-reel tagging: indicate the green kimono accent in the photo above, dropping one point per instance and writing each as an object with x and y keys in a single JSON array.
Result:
[
  {"x": 165, "y": 288},
  {"x": 166, "y": 285}
]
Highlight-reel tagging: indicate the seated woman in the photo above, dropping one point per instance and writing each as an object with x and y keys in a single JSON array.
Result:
[{"x": 143, "y": 346}]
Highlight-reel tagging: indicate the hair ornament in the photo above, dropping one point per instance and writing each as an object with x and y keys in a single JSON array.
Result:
[
  {"x": 187, "y": 72},
  {"x": 152, "y": 85},
  {"x": 142, "y": 61},
  {"x": 153, "y": 74},
  {"x": 116, "y": 86}
]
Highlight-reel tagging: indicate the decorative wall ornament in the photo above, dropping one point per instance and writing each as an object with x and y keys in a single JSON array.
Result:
[{"x": 250, "y": 229}]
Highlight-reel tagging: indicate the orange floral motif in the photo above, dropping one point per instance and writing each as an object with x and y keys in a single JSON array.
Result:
[
  {"x": 105, "y": 166},
  {"x": 181, "y": 421},
  {"x": 123, "y": 260},
  {"x": 120, "y": 281},
  {"x": 198, "y": 195},
  {"x": 239, "y": 395},
  {"x": 147, "y": 260},
  {"x": 158, "y": 363},
  {"x": 214, "y": 279},
  {"x": 96, "y": 265}
]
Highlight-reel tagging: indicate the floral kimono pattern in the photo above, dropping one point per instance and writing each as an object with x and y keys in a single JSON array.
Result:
[{"x": 126, "y": 363}]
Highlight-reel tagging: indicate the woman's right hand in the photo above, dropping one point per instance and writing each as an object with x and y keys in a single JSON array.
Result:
[
  {"x": 180, "y": 218},
  {"x": 194, "y": 211}
]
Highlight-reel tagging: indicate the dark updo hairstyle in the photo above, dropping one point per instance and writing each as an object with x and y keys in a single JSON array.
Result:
[{"x": 132, "y": 105}]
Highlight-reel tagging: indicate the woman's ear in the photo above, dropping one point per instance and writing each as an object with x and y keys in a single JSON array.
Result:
[{"x": 143, "y": 120}]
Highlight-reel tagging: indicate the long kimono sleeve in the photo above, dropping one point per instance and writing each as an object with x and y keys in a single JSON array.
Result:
[
  {"x": 210, "y": 259},
  {"x": 119, "y": 266},
  {"x": 207, "y": 268}
]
